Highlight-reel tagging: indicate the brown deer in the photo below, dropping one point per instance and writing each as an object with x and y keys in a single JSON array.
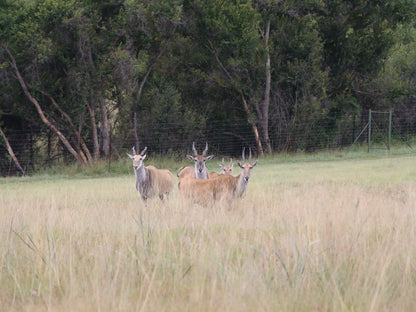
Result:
[
  {"x": 223, "y": 188},
  {"x": 225, "y": 169},
  {"x": 200, "y": 170},
  {"x": 150, "y": 181}
]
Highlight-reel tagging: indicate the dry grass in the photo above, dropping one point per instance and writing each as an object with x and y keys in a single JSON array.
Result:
[{"x": 321, "y": 236}]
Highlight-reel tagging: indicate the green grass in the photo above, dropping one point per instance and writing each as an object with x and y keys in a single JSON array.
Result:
[
  {"x": 122, "y": 166},
  {"x": 312, "y": 234}
]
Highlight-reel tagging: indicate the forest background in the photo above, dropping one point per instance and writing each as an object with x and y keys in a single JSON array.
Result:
[{"x": 84, "y": 81}]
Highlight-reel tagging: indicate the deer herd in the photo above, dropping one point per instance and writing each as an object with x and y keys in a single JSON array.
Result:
[{"x": 196, "y": 184}]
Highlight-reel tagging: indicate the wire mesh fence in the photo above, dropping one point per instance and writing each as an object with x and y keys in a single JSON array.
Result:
[{"x": 40, "y": 148}]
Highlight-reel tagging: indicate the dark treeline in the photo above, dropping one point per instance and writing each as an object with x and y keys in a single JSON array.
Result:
[{"x": 87, "y": 80}]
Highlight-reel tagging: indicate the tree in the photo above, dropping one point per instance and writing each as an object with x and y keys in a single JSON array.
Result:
[
  {"x": 151, "y": 26},
  {"x": 357, "y": 38},
  {"x": 25, "y": 40},
  {"x": 79, "y": 156},
  {"x": 296, "y": 82},
  {"x": 230, "y": 33}
]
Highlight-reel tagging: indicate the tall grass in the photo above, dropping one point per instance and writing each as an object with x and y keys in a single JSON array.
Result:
[{"x": 308, "y": 236}]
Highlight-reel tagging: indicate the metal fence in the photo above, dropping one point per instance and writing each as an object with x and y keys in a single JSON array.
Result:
[{"x": 39, "y": 148}]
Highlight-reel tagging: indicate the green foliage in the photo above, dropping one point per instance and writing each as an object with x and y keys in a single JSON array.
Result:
[
  {"x": 396, "y": 78},
  {"x": 186, "y": 64}
]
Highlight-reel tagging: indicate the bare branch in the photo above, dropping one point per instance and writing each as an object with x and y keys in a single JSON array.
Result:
[
  {"x": 66, "y": 116},
  {"x": 11, "y": 153},
  {"x": 63, "y": 139},
  {"x": 227, "y": 73},
  {"x": 349, "y": 15}
]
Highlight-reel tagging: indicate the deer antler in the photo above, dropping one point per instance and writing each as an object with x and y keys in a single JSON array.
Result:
[
  {"x": 194, "y": 149},
  {"x": 204, "y": 153},
  {"x": 242, "y": 155},
  {"x": 249, "y": 157},
  {"x": 143, "y": 151},
  {"x": 134, "y": 150}
]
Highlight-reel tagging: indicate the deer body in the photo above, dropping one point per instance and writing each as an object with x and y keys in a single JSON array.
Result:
[
  {"x": 223, "y": 188},
  {"x": 186, "y": 172},
  {"x": 200, "y": 170},
  {"x": 150, "y": 181}
]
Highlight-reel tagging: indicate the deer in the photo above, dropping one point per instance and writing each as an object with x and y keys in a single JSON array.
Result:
[
  {"x": 223, "y": 188},
  {"x": 150, "y": 181},
  {"x": 225, "y": 169},
  {"x": 237, "y": 186},
  {"x": 200, "y": 170}
]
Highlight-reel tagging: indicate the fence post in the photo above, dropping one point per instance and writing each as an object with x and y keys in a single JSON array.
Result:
[
  {"x": 389, "y": 135},
  {"x": 369, "y": 130}
]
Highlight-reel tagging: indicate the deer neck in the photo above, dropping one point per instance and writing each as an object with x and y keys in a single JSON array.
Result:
[
  {"x": 201, "y": 175},
  {"x": 141, "y": 174},
  {"x": 241, "y": 186}
]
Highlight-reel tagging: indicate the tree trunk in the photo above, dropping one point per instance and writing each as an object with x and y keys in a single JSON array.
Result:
[
  {"x": 264, "y": 118},
  {"x": 87, "y": 156},
  {"x": 91, "y": 110},
  {"x": 136, "y": 136},
  {"x": 11, "y": 153},
  {"x": 253, "y": 126},
  {"x": 51, "y": 126},
  {"x": 105, "y": 131}
]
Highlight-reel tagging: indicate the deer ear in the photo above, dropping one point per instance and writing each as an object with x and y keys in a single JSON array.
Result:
[
  {"x": 144, "y": 157},
  {"x": 255, "y": 163},
  {"x": 209, "y": 157},
  {"x": 239, "y": 164},
  {"x": 131, "y": 157},
  {"x": 190, "y": 157}
]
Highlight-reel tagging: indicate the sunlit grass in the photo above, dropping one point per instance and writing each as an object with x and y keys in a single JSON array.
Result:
[{"x": 309, "y": 236}]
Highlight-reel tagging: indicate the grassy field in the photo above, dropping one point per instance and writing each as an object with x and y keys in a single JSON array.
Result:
[{"x": 309, "y": 236}]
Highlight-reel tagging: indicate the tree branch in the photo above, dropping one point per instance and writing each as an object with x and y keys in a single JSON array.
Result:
[
  {"x": 243, "y": 99},
  {"x": 80, "y": 139},
  {"x": 227, "y": 73},
  {"x": 349, "y": 14},
  {"x": 11, "y": 153},
  {"x": 63, "y": 139}
]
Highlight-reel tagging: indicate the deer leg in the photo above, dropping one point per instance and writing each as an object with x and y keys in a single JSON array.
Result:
[{"x": 144, "y": 200}]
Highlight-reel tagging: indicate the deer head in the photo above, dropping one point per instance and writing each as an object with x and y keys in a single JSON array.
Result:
[
  {"x": 226, "y": 169},
  {"x": 138, "y": 158},
  {"x": 199, "y": 160},
  {"x": 246, "y": 166}
]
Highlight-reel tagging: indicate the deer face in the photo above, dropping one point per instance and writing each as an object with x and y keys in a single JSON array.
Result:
[
  {"x": 246, "y": 167},
  {"x": 246, "y": 170},
  {"x": 138, "y": 161},
  {"x": 226, "y": 169},
  {"x": 200, "y": 160},
  {"x": 138, "y": 158}
]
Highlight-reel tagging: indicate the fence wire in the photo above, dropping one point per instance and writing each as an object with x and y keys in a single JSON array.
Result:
[{"x": 39, "y": 148}]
